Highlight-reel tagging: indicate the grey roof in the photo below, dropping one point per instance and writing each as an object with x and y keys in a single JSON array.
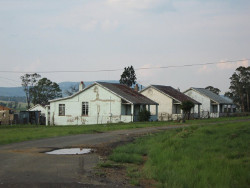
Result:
[
  {"x": 212, "y": 96},
  {"x": 174, "y": 93},
  {"x": 127, "y": 93},
  {"x": 120, "y": 90},
  {"x": 226, "y": 98}
]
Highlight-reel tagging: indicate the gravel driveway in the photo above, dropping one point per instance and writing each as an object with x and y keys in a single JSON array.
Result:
[{"x": 26, "y": 165}]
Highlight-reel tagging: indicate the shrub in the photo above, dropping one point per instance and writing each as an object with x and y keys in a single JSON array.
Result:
[{"x": 144, "y": 115}]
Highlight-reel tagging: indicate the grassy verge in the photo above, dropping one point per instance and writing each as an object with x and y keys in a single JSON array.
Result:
[
  {"x": 18, "y": 133},
  {"x": 196, "y": 156}
]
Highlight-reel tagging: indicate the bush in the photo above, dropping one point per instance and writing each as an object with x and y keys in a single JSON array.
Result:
[{"x": 144, "y": 115}]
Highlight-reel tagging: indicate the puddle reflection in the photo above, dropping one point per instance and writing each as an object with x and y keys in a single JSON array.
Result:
[{"x": 69, "y": 151}]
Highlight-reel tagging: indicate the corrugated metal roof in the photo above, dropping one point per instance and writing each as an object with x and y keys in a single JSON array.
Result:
[
  {"x": 212, "y": 95},
  {"x": 127, "y": 93},
  {"x": 4, "y": 108},
  {"x": 174, "y": 93}
]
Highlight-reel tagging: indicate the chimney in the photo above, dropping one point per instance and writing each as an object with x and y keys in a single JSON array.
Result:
[
  {"x": 81, "y": 86},
  {"x": 136, "y": 88}
]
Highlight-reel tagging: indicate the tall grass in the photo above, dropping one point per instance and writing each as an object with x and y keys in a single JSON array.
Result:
[{"x": 197, "y": 156}]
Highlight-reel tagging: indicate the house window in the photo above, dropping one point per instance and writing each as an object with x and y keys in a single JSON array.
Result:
[
  {"x": 61, "y": 109},
  {"x": 85, "y": 108},
  {"x": 214, "y": 108},
  {"x": 177, "y": 109},
  {"x": 127, "y": 109}
]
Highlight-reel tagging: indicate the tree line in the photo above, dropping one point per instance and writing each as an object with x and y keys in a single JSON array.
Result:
[{"x": 240, "y": 88}]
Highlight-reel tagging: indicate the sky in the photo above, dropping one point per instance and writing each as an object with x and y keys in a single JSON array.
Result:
[{"x": 86, "y": 35}]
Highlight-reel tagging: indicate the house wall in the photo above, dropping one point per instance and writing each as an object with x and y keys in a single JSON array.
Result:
[
  {"x": 205, "y": 101},
  {"x": 206, "y": 104},
  {"x": 104, "y": 107},
  {"x": 6, "y": 118},
  {"x": 165, "y": 107}
]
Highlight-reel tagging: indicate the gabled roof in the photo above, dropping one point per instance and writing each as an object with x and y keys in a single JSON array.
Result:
[
  {"x": 35, "y": 107},
  {"x": 119, "y": 90},
  {"x": 214, "y": 97},
  {"x": 127, "y": 93},
  {"x": 173, "y": 93}
]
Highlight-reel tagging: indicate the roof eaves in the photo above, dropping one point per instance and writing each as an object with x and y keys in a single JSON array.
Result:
[
  {"x": 100, "y": 84},
  {"x": 166, "y": 94},
  {"x": 206, "y": 95}
]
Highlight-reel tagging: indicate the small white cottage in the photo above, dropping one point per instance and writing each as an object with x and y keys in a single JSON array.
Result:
[
  {"x": 212, "y": 105},
  {"x": 169, "y": 100},
  {"x": 99, "y": 103}
]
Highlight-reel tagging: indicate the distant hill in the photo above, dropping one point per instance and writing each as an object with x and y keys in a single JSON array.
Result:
[
  {"x": 18, "y": 91},
  {"x": 66, "y": 85},
  {"x": 13, "y": 93}
]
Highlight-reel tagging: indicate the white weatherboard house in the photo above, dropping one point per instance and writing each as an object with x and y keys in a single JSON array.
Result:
[
  {"x": 99, "y": 103},
  {"x": 213, "y": 105},
  {"x": 38, "y": 108},
  {"x": 169, "y": 100}
]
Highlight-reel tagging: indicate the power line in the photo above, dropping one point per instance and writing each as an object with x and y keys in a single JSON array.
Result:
[{"x": 113, "y": 70}]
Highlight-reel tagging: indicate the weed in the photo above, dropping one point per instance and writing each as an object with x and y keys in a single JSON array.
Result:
[{"x": 207, "y": 156}]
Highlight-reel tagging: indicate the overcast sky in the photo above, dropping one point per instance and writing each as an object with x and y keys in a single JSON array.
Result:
[{"x": 59, "y": 35}]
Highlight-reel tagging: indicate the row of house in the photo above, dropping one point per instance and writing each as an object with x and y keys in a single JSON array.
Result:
[{"x": 102, "y": 103}]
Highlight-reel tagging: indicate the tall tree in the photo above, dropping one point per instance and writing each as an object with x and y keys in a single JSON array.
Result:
[
  {"x": 44, "y": 91},
  {"x": 128, "y": 76},
  {"x": 240, "y": 87},
  {"x": 213, "y": 89},
  {"x": 186, "y": 106},
  {"x": 28, "y": 82}
]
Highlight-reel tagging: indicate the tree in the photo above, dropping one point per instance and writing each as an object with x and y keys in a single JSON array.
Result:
[
  {"x": 73, "y": 89},
  {"x": 186, "y": 106},
  {"x": 213, "y": 89},
  {"x": 128, "y": 76},
  {"x": 44, "y": 91},
  {"x": 28, "y": 82},
  {"x": 240, "y": 87}
]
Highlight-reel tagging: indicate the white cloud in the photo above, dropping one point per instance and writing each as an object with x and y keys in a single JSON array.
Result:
[
  {"x": 86, "y": 17},
  {"x": 134, "y": 4},
  {"x": 147, "y": 73},
  {"x": 227, "y": 65},
  {"x": 34, "y": 66},
  {"x": 109, "y": 24},
  {"x": 205, "y": 69}
]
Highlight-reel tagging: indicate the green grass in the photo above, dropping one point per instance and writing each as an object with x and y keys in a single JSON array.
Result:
[
  {"x": 217, "y": 155},
  {"x": 17, "y": 133}
]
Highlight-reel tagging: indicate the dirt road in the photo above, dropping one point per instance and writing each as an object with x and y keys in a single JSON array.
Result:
[{"x": 26, "y": 165}]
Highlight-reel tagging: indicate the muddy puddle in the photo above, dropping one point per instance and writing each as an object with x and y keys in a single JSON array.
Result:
[{"x": 70, "y": 151}]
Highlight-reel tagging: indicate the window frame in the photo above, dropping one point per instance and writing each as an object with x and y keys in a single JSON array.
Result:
[
  {"x": 85, "y": 108},
  {"x": 61, "y": 110}
]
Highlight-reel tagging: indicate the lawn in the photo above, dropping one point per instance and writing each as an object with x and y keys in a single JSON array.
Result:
[
  {"x": 17, "y": 133},
  {"x": 217, "y": 155}
]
